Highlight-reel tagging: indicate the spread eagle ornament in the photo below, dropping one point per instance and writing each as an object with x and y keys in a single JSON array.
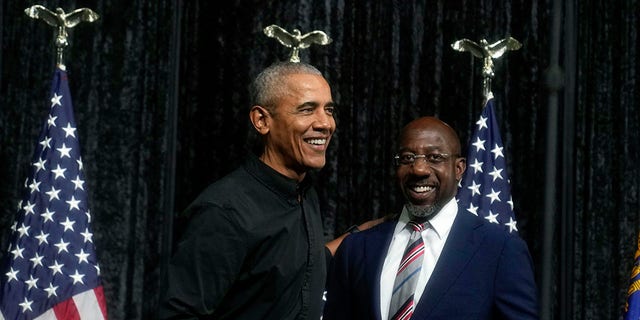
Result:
[
  {"x": 296, "y": 40},
  {"x": 62, "y": 21},
  {"x": 487, "y": 52}
]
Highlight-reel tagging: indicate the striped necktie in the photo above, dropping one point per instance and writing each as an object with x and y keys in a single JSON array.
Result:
[{"x": 402, "y": 304}]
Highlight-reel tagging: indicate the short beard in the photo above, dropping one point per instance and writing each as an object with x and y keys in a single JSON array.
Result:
[{"x": 422, "y": 213}]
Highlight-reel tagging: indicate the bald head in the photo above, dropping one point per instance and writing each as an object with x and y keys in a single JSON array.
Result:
[{"x": 423, "y": 124}]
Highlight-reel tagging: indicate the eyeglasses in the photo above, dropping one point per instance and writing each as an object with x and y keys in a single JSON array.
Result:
[{"x": 407, "y": 158}]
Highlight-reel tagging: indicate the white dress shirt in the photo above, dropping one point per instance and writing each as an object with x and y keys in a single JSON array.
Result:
[{"x": 434, "y": 236}]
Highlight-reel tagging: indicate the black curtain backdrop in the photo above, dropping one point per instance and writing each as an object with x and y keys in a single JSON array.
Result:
[{"x": 160, "y": 95}]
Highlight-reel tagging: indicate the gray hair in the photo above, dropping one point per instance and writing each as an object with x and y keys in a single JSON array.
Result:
[{"x": 268, "y": 86}]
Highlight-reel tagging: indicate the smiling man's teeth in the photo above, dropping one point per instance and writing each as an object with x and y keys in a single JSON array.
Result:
[
  {"x": 422, "y": 188},
  {"x": 317, "y": 141}
]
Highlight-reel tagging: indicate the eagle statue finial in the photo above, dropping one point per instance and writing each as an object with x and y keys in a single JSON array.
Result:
[
  {"x": 487, "y": 52},
  {"x": 296, "y": 40},
  {"x": 62, "y": 21}
]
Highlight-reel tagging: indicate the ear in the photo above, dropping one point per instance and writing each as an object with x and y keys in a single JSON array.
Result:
[
  {"x": 259, "y": 117},
  {"x": 461, "y": 166}
]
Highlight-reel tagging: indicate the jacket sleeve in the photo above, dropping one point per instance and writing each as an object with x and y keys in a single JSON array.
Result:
[
  {"x": 516, "y": 291},
  {"x": 338, "y": 303}
]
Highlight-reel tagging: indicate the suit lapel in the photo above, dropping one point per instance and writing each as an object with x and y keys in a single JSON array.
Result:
[
  {"x": 375, "y": 252},
  {"x": 463, "y": 241}
]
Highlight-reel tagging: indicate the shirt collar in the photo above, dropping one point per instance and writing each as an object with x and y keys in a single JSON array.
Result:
[
  {"x": 441, "y": 223},
  {"x": 284, "y": 186}
]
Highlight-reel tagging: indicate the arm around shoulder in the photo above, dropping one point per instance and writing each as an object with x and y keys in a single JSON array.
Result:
[{"x": 335, "y": 243}]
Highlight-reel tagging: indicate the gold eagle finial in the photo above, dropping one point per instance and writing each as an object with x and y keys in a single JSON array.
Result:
[
  {"x": 296, "y": 40},
  {"x": 487, "y": 52},
  {"x": 62, "y": 21}
]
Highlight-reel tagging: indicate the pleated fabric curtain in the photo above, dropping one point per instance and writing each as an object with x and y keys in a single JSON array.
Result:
[{"x": 160, "y": 94}]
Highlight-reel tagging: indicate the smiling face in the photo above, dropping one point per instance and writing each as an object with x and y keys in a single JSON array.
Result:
[
  {"x": 298, "y": 127},
  {"x": 429, "y": 185}
]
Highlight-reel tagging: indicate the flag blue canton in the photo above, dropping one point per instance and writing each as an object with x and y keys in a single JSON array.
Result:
[
  {"x": 484, "y": 189},
  {"x": 51, "y": 260}
]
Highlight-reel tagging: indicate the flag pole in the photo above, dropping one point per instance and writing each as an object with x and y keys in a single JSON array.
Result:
[
  {"x": 489, "y": 176},
  {"x": 51, "y": 268}
]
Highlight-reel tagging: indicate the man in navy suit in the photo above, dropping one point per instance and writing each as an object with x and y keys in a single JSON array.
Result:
[{"x": 471, "y": 269}]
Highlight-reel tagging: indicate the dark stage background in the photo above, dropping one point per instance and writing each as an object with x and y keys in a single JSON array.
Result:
[{"x": 160, "y": 95}]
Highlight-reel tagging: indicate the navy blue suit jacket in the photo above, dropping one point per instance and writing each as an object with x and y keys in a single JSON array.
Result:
[{"x": 483, "y": 273}]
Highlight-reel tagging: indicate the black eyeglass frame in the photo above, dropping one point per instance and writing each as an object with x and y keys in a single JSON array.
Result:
[{"x": 434, "y": 158}]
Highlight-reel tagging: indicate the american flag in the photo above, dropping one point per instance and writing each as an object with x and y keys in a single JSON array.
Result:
[
  {"x": 484, "y": 189},
  {"x": 50, "y": 270},
  {"x": 632, "y": 307}
]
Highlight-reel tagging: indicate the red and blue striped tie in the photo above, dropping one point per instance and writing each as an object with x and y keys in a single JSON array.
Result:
[{"x": 402, "y": 304}]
